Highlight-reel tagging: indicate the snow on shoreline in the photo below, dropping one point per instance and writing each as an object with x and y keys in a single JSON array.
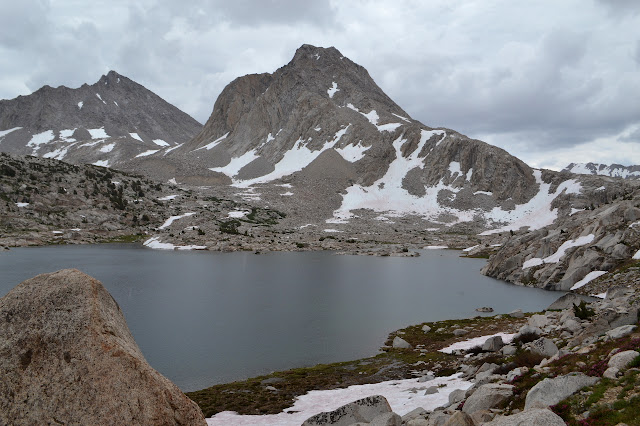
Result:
[
  {"x": 155, "y": 243},
  {"x": 403, "y": 396},
  {"x": 470, "y": 343}
]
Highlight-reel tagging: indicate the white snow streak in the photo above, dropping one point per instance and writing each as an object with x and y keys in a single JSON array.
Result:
[
  {"x": 555, "y": 257},
  {"x": 160, "y": 142},
  {"x": 59, "y": 153},
  {"x": 102, "y": 163},
  {"x": 146, "y": 153},
  {"x": 294, "y": 160},
  {"x": 22, "y": 204},
  {"x": 80, "y": 104},
  {"x": 3, "y": 133},
  {"x": 172, "y": 148},
  {"x": 168, "y": 198},
  {"x": 589, "y": 277},
  {"x": 169, "y": 221},
  {"x": 214, "y": 143},
  {"x": 373, "y": 118},
  {"x": 136, "y": 136},
  {"x": 236, "y": 164},
  {"x": 100, "y": 98}
]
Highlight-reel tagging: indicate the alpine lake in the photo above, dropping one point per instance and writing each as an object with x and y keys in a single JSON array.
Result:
[{"x": 203, "y": 318}]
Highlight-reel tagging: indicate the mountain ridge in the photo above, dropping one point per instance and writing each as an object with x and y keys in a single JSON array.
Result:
[{"x": 107, "y": 123}]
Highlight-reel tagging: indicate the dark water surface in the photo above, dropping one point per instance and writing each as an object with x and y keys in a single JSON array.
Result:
[{"x": 202, "y": 318}]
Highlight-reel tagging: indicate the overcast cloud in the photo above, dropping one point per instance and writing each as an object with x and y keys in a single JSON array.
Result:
[{"x": 551, "y": 82}]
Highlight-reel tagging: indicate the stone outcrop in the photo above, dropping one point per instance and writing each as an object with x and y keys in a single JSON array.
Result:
[{"x": 67, "y": 357}]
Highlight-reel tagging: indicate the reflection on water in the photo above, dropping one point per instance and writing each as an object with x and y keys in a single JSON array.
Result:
[{"x": 202, "y": 318}]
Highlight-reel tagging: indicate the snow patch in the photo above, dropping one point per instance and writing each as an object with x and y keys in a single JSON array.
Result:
[
  {"x": 59, "y": 153},
  {"x": 637, "y": 255},
  {"x": 373, "y": 118},
  {"x": 98, "y": 95},
  {"x": 80, "y": 104},
  {"x": 108, "y": 148},
  {"x": 146, "y": 153},
  {"x": 555, "y": 257},
  {"x": 169, "y": 221},
  {"x": 40, "y": 139},
  {"x": 435, "y": 247},
  {"x": 102, "y": 163},
  {"x": 470, "y": 343},
  {"x": 98, "y": 133},
  {"x": 333, "y": 89},
  {"x": 22, "y": 204},
  {"x": 353, "y": 153},
  {"x": 160, "y": 142},
  {"x": 287, "y": 194},
  {"x": 136, "y": 136},
  {"x": 468, "y": 249},
  {"x": 403, "y": 396},
  {"x": 537, "y": 212},
  {"x": 168, "y": 198},
  {"x": 66, "y": 134},
  {"x": 238, "y": 213},
  {"x": 331, "y": 230},
  {"x": 589, "y": 277},
  {"x": 483, "y": 193},
  {"x": 214, "y": 143}
]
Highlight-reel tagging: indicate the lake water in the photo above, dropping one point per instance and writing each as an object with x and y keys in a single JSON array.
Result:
[{"x": 202, "y": 318}]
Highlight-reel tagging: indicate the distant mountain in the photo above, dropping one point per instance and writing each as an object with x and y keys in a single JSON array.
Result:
[
  {"x": 613, "y": 170},
  {"x": 108, "y": 123},
  {"x": 321, "y": 128}
]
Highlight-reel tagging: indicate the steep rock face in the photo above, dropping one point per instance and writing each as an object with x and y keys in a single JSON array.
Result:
[
  {"x": 612, "y": 170},
  {"x": 578, "y": 247},
  {"x": 108, "y": 123},
  {"x": 67, "y": 357}
]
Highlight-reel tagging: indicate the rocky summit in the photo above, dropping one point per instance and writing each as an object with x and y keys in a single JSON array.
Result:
[
  {"x": 109, "y": 123},
  {"x": 67, "y": 357}
]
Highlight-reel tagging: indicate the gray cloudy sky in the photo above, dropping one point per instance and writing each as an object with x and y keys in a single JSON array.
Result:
[{"x": 550, "y": 81}]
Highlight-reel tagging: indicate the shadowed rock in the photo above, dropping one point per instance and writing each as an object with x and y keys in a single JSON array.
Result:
[{"x": 67, "y": 357}]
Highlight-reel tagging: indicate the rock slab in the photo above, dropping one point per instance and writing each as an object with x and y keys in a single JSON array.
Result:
[
  {"x": 551, "y": 391},
  {"x": 487, "y": 396},
  {"x": 67, "y": 356},
  {"x": 363, "y": 410},
  {"x": 533, "y": 417}
]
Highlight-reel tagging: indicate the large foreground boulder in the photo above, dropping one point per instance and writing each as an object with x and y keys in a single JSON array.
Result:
[{"x": 67, "y": 357}]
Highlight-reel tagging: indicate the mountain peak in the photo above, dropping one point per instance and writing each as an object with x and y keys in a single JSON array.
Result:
[{"x": 309, "y": 51}]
